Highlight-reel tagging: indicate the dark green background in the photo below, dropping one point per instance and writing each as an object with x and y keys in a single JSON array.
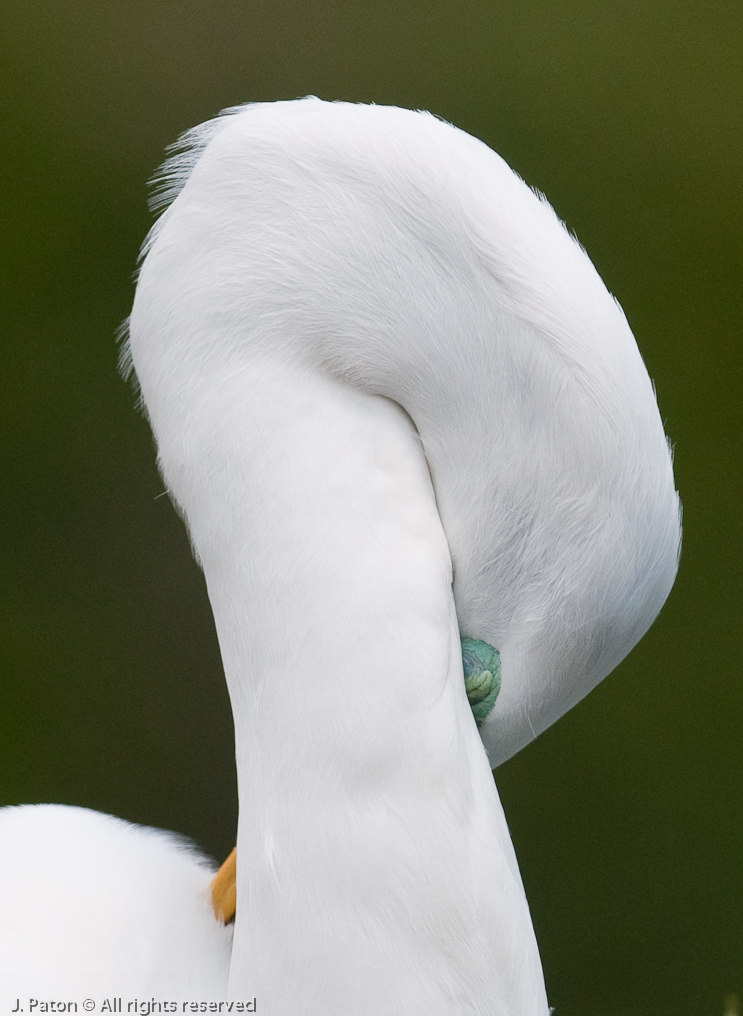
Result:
[{"x": 628, "y": 815}]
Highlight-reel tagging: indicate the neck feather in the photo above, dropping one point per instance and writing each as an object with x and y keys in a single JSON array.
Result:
[{"x": 374, "y": 862}]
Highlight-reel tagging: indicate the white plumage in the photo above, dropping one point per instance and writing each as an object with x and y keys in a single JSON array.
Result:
[
  {"x": 396, "y": 405},
  {"x": 93, "y": 906}
]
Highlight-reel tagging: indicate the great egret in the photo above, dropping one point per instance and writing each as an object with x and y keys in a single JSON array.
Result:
[
  {"x": 396, "y": 407},
  {"x": 375, "y": 363}
]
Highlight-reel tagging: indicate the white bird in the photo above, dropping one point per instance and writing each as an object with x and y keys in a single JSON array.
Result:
[{"x": 397, "y": 407}]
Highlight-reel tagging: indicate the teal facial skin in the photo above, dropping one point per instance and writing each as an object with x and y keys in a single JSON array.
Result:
[{"x": 481, "y": 676}]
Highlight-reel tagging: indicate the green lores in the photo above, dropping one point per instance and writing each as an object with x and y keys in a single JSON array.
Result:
[{"x": 481, "y": 676}]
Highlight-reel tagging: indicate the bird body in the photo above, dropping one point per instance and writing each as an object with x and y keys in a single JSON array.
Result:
[
  {"x": 396, "y": 405},
  {"x": 397, "y": 408},
  {"x": 94, "y": 906}
]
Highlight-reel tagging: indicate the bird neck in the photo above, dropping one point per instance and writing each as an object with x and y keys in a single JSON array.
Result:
[{"x": 373, "y": 857}]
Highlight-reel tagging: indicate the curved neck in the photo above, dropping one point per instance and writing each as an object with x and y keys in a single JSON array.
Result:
[{"x": 375, "y": 871}]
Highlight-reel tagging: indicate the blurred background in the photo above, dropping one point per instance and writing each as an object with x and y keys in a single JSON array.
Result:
[{"x": 628, "y": 814}]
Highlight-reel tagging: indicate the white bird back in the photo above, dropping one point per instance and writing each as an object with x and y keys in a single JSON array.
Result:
[{"x": 93, "y": 906}]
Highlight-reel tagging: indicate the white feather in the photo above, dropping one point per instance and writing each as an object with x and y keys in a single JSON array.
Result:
[
  {"x": 369, "y": 352},
  {"x": 93, "y": 906},
  {"x": 396, "y": 405}
]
